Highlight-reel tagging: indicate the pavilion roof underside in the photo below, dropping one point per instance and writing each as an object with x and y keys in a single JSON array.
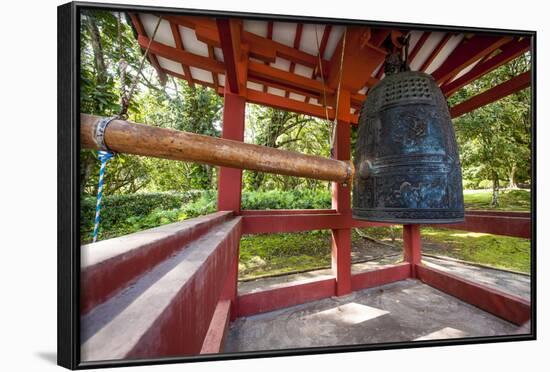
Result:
[{"x": 296, "y": 66}]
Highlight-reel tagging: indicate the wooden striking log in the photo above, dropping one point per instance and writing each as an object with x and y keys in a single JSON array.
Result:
[{"x": 138, "y": 139}]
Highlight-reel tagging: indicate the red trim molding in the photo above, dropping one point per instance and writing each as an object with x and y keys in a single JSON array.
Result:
[
  {"x": 289, "y": 295},
  {"x": 375, "y": 278}
]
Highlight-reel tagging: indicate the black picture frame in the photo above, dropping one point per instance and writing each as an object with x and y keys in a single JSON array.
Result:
[{"x": 68, "y": 216}]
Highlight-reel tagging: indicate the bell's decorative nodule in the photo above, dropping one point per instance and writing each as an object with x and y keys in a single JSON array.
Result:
[{"x": 406, "y": 157}]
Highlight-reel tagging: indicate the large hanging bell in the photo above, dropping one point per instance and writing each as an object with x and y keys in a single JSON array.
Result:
[{"x": 406, "y": 157}]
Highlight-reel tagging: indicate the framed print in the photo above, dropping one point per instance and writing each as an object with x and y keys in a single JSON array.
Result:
[{"x": 237, "y": 185}]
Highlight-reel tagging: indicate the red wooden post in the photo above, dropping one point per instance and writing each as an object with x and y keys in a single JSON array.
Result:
[
  {"x": 230, "y": 181},
  {"x": 412, "y": 246},
  {"x": 341, "y": 238}
]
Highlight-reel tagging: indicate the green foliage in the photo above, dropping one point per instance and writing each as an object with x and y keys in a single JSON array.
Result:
[
  {"x": 280, "y": 253},
  {"x": 124, "y": 214},
  {"x": 498, "y": 251},
  {"x": 293, "y": 199}
]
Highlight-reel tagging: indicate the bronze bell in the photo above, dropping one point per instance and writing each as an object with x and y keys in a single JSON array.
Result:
[{"x": 406, "y": 157}]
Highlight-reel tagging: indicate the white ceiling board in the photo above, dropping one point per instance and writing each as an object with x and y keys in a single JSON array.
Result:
[
  {"x": 424, "y": 52},
  {"x": 191, "y": 43},
  {"x": 303, "y": 70},
  {"x": 218, "y": 53},
  {"x": 297, "y": 97},
  {"x": 164, "y": 33},
  {"x": 276, "y": 91},
  {"x": 200, "y": 74},
  {"x": 254, "y": 86},
  {"x": 449, "y": 47},
  {"x": 281, "y": 64},
  {"x": 308, "y": 42},
  {"x": 168, "y": 64},
  {"x": 256, "y": 27},
  {"x": 284, "y": 33},
  {"x": 335, "y": 35}
]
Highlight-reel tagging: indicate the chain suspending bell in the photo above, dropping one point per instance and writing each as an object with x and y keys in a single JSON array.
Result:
[{"x": 406, "y": 157}]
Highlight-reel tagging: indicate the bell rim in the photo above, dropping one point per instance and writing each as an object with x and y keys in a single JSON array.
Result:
[{"x": 410, "y": 221}]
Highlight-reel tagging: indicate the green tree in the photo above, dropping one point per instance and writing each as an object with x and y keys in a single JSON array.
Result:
[{"x": 495, "y": 140}]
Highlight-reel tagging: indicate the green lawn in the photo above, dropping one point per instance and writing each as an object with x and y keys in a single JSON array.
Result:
[
  {"x": 272, "y": 254},
  {"x": 510, "y": 200}
]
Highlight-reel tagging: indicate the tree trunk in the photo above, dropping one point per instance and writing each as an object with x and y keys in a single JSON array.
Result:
[
  {"x": 494, "y": 200},
  {"x": 97, "y": 47},
  {"x": 512, "y": 182}
]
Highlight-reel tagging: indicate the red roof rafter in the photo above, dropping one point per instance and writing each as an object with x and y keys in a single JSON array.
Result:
[
  {"x": 509, "y": 51},
  {"x": 418, "y": 45},
  {"x": 269, "y": 36},
  {"x": 230, "y": 42},
  {"x": 179, "y": 44},
  {"x": 435, "y": 52},
  {"x": 322, "y": 47},
  {"x": 214, "y": 75},
  {"x": 513, "y": 85},
  {"x": 297, "y": 38},
  {"x": 467, "y": 53}
]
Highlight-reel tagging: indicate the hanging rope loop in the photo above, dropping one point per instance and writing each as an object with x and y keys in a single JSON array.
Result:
[{"x": 103, "y": 156}]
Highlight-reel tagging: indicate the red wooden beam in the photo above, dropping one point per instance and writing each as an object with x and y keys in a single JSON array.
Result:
[
  {"x": 228, "y": 38},
  {"x": 270, "y": 223},
  {"x": 214, "y": 75},
  {"x": 181, "y": 56},
  {"x": 513, "y": 85},
  {"x": 289, "y": 295},
  {"x": 508, "y": 52},
  {"x": 260, "y": 70},
  {"x": 375, "y": 278},
  {"x": 283, "y": 103},
  {"x": 179, "y": 44},
  {"x": 497, "y": 223},
  {"x": 412, "y": 246},
  {"x": 509, "y": 307},
  {"x": 467, "y": 53},
  {"x": 435, "y": 52},
  {"x": 278, "y": 212},
  {"x": 230, "y": 179}
]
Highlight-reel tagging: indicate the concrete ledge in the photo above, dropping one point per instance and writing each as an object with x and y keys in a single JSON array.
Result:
[
  {"x": 509, "y": 307},
  {"x": 215, "y": 337},
  {"x": 168, "y": 310},
  {"x": 108, "y": 266}
]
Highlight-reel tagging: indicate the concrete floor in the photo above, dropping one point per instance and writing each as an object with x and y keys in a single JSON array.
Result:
[{"x": 403, "y": 311}]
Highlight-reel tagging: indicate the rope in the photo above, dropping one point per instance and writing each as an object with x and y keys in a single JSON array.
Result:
[
  {"x": 322, "y": 74},
  {"x": 335, "y": 123},
  {"x": 103, "y": 156},
  {"x": 125, "y": 99}
]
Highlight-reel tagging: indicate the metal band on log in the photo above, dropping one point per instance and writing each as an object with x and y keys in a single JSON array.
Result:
[{"x": 138, "y": 139}]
